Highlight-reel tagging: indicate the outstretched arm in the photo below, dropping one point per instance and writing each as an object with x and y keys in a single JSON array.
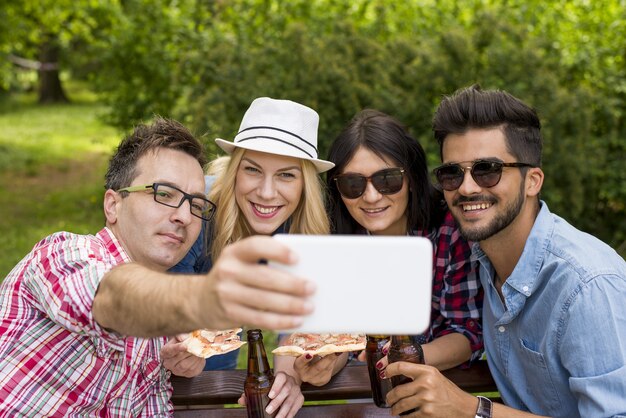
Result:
[{"x": 134, "y": 300}]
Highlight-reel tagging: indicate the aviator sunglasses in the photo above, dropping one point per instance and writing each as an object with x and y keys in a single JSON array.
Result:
[
  {"x": 386, "y": 181},
  {"x": 486, "y": 173}
]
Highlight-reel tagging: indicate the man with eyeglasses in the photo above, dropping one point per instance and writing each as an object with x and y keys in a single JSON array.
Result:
[
  {"x": 554, "y": 325},
  {"x": 84, "y": 319}
]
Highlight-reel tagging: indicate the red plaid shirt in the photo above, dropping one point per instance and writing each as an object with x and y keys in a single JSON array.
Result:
[
  {"x": 457, "y": 294},
  {"x": 55, "y": 360}
]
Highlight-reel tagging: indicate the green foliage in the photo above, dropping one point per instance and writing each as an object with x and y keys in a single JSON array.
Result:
[
  {"x": 74, "y": 26},
  {"x": 203, "y": 63},
  {"x": 140, "y": 58}
]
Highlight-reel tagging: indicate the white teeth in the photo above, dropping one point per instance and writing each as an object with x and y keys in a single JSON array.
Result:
[
  {"x": 476, "y": 206},
  {"x": 374, "y": 210},
  {"x": 266, "y": 210}
]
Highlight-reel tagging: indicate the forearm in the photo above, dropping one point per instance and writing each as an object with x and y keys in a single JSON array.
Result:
[
  {"x": 501, "y": 411},
  {"x": 447, "y": 351},
  {"x": 133, "y": 300}
]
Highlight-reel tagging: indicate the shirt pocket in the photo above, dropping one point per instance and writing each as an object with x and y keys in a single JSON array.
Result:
[
  {"x": 539, "y": 383},
  {"x": 104, "y": 350},
  {"x": 153, "y": 372}
]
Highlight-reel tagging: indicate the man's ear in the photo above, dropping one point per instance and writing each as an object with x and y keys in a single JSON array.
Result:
[
  {"x": 534, "y": 181},
  {"x": 111, "y": 200}
]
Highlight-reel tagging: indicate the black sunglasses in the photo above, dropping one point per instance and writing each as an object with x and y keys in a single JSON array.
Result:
[
  {"x": 486, "y": 173},
  {"x": 387, "y": 181}
]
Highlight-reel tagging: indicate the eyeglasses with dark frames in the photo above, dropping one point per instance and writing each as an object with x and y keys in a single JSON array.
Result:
[
  {"x": 386, "y": 181},
  {"x": 173, "y": 197},
  {"x": 486, "y": 173}
]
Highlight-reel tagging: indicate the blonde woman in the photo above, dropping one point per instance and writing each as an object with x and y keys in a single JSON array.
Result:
[
  {"x": 268, "y": 184},
  {"x": 258, "y": 192}
]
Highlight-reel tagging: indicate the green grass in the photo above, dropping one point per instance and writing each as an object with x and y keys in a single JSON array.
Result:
[
  {"x": 52, "y": 162},
  {"x": 33, "y": 136}
]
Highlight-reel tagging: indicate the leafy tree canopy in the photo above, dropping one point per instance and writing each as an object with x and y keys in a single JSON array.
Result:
[{"x": 203, "y": 62}]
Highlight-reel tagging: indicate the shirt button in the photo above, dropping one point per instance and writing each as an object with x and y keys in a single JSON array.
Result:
[
  {"x": 501, "y": 328},
  {"x": 525, "y": 288}
]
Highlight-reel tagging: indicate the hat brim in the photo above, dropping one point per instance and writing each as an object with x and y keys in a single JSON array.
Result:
[{"x": 229, "y": 147}]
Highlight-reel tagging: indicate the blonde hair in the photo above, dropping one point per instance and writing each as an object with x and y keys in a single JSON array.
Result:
[{"x": 230, "y": 225}]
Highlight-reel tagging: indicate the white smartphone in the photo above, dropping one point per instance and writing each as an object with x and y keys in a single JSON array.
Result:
[{"x": 365, "y": 284}]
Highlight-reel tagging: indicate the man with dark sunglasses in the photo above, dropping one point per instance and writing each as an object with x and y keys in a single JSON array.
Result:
[
  {"x": 553, "y": 317},
  {"x": 84, "y": 319}
]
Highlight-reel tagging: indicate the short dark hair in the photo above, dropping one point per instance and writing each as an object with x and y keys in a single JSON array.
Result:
[
  {"x": 472, "y": 107},
  {"x": 162, "y": 133},
  {"x": 389, "y": 139}
]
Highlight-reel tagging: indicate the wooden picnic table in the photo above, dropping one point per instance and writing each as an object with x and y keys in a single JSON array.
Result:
[{"x": 205, "y": 395}]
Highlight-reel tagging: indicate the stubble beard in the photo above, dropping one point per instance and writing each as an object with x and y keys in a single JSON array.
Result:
[{"x": 500, "y": 222}]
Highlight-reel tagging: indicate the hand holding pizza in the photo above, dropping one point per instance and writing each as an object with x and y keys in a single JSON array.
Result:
[
  {"x": 285, "y": 395},
  {"x": 318, "y": 370},
  {"x": 180, "y": 362},
  {"x": 319, "y": 356},
  {"x": 239, "y": 290}
]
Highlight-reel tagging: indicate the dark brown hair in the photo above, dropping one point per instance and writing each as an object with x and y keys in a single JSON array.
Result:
[
  {"x": 472, "y": 107},
  {"x": 162, "y": 133}
]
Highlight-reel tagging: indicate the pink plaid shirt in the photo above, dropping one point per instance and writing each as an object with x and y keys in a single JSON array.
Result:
[{"x": 55, "y": 360}]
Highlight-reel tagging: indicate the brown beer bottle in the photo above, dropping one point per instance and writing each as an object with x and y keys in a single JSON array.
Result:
[
  {"x": 373, "y": 353},
  {"x": 260, "y": 377},
  {"x": 402, "y": 348}
]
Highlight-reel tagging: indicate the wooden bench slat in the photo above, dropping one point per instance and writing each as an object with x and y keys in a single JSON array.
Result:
[
  {"x": 225, "y": 386},
  {"x": 216, "y": 387},
  {"x": 359, "y": 410}
]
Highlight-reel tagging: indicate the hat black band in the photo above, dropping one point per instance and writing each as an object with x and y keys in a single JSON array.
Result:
[
  {"x": 279, "y": 140},
  {"x": 283, "y": 131}
]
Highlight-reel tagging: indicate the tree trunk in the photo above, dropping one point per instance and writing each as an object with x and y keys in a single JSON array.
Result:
[{"x": 50, "y": 88}]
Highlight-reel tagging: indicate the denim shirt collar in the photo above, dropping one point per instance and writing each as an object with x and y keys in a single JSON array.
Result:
[
  {"x": 524, "y": 279},
  {"x": 284, "y": 228}
]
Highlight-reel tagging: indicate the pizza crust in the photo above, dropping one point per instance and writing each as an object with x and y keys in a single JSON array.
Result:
[
  {"x": 320, "y": 344},
  {"x": 206, "y": 343}
]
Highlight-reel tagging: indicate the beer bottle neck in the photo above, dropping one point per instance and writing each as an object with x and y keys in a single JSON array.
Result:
[
  {"x": 257, "y": 358},
  {"x": 401, "y": 340},
  {"x": 376, "y": 337}
]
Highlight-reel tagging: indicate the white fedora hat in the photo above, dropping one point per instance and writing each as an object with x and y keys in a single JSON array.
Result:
[{"x": 279, "y": 127}]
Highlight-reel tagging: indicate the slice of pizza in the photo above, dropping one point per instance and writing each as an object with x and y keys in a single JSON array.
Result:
[
  {"x": 210, "y": 342},
  {"x": 320, "y": 344}
]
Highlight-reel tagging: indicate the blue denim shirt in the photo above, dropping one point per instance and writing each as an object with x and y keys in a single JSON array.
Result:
[
  {"x": 195, "y": 261},
  {"x": 557, "y": 346}
]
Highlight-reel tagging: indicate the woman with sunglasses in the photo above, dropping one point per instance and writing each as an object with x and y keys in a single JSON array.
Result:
[{"x": 380, "y": 185}]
